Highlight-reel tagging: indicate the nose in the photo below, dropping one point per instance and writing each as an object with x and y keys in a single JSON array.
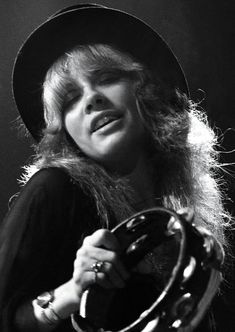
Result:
[{"x": 95, "y": 102}]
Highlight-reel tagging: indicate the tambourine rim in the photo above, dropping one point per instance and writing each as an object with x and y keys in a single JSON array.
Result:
[{"x": 175, "y": 272}]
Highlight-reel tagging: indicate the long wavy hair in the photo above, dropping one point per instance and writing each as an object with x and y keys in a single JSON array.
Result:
[{"x": 181, "y": 145}]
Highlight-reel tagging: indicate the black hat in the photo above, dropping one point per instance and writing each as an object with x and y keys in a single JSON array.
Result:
[{"x": 86, "y": 24}]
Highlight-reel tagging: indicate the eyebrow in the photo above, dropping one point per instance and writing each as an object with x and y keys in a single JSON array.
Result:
[{"x": 93, "y": 74}]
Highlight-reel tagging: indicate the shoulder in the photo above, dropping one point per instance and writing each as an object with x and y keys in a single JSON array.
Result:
[
  {"x": 51, "y": 180},
  {"x": 50, "y": 197},
  {"x": 50, "y": 176},
  {"x": 49, "y": 186}
]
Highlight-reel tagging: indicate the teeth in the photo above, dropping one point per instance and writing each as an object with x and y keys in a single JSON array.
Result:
[{"x": 105, "y": 120}]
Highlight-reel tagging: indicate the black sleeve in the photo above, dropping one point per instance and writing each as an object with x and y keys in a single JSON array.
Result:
[{"x": 38, "y": 244}]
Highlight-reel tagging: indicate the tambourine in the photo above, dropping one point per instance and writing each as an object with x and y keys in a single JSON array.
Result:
[{"x": 175, "y": 271}]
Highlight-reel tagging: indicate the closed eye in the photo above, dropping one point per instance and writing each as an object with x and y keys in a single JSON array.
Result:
[
  {"x": 108, "y": 78},
  {"x": 71, "y": 98}
]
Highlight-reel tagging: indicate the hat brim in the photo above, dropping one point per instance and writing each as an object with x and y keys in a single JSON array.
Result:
[{"x": 79, "y": 26}]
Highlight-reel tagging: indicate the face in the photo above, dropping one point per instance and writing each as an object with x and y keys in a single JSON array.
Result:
[{"x": 101, "y": 116}]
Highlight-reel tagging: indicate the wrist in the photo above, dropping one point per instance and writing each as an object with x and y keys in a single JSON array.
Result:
[
  {"x": 67, "y": 299},
  {"x": 56, "y": 305},
  {"x": 43, "y": 309}
]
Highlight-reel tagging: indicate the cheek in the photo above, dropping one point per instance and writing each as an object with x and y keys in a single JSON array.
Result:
[
  {"x": 69, "y": 123},
  {"x": 130, "y": 101},
  {"x": 73, "y": 126},
  {"x": 122, "y": 94}
]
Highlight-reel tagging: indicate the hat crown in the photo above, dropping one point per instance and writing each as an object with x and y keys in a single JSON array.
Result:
[
  {"x": 85, "y": 24},
  {"x": 76, "y": 7}
]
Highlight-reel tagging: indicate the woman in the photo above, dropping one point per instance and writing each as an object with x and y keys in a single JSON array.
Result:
[{"x": 116, "y": 133}]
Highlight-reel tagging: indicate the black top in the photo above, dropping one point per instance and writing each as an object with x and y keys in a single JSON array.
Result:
[
  {"x": 38, "y": 243},
  {"x": 40, "y": 237}
]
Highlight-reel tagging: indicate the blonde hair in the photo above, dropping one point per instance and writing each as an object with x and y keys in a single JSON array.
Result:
[{"x": 182, "y": 146}]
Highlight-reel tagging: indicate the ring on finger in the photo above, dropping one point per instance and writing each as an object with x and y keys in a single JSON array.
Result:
[{"x": 97, "y": 266}]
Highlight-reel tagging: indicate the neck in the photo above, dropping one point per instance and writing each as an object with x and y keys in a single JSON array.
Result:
[{"x": 141, "y": 180}]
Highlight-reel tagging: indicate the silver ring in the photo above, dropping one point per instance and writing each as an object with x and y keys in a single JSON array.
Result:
[{"x": 97, "y": 266}]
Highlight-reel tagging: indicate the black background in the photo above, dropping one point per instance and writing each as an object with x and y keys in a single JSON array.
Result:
[{"x": 200, "y": 32}]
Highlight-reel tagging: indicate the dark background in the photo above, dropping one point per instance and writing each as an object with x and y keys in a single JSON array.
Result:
[{"x": 200, "y": 32}]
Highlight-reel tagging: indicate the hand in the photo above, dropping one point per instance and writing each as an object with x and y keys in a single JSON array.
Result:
[{"x": 102, "y": 246}]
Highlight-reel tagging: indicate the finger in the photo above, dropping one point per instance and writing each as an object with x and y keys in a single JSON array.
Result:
[
  {"x": 120, "y": 269},
  {"x": 103, "y": 238},
  {"x": 89, "y": 278},
  {"x": 113, "y": 275},
  {"x": 89, "y": 254},
  {"x": 106, "y": 276},
  {"x": 86, "y": 256},
  {"x": 99, "y": 278}
]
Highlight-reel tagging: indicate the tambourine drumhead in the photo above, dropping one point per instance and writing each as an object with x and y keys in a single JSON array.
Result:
[
  {"x": 115, "y": 309},
  {"x": 164, "y": 254}
]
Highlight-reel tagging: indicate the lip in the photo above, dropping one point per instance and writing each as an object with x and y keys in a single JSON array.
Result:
[{"x": 100, "y": 117}]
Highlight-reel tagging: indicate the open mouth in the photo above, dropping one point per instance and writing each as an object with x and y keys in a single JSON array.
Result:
[{"x": 102, "y": 122}]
